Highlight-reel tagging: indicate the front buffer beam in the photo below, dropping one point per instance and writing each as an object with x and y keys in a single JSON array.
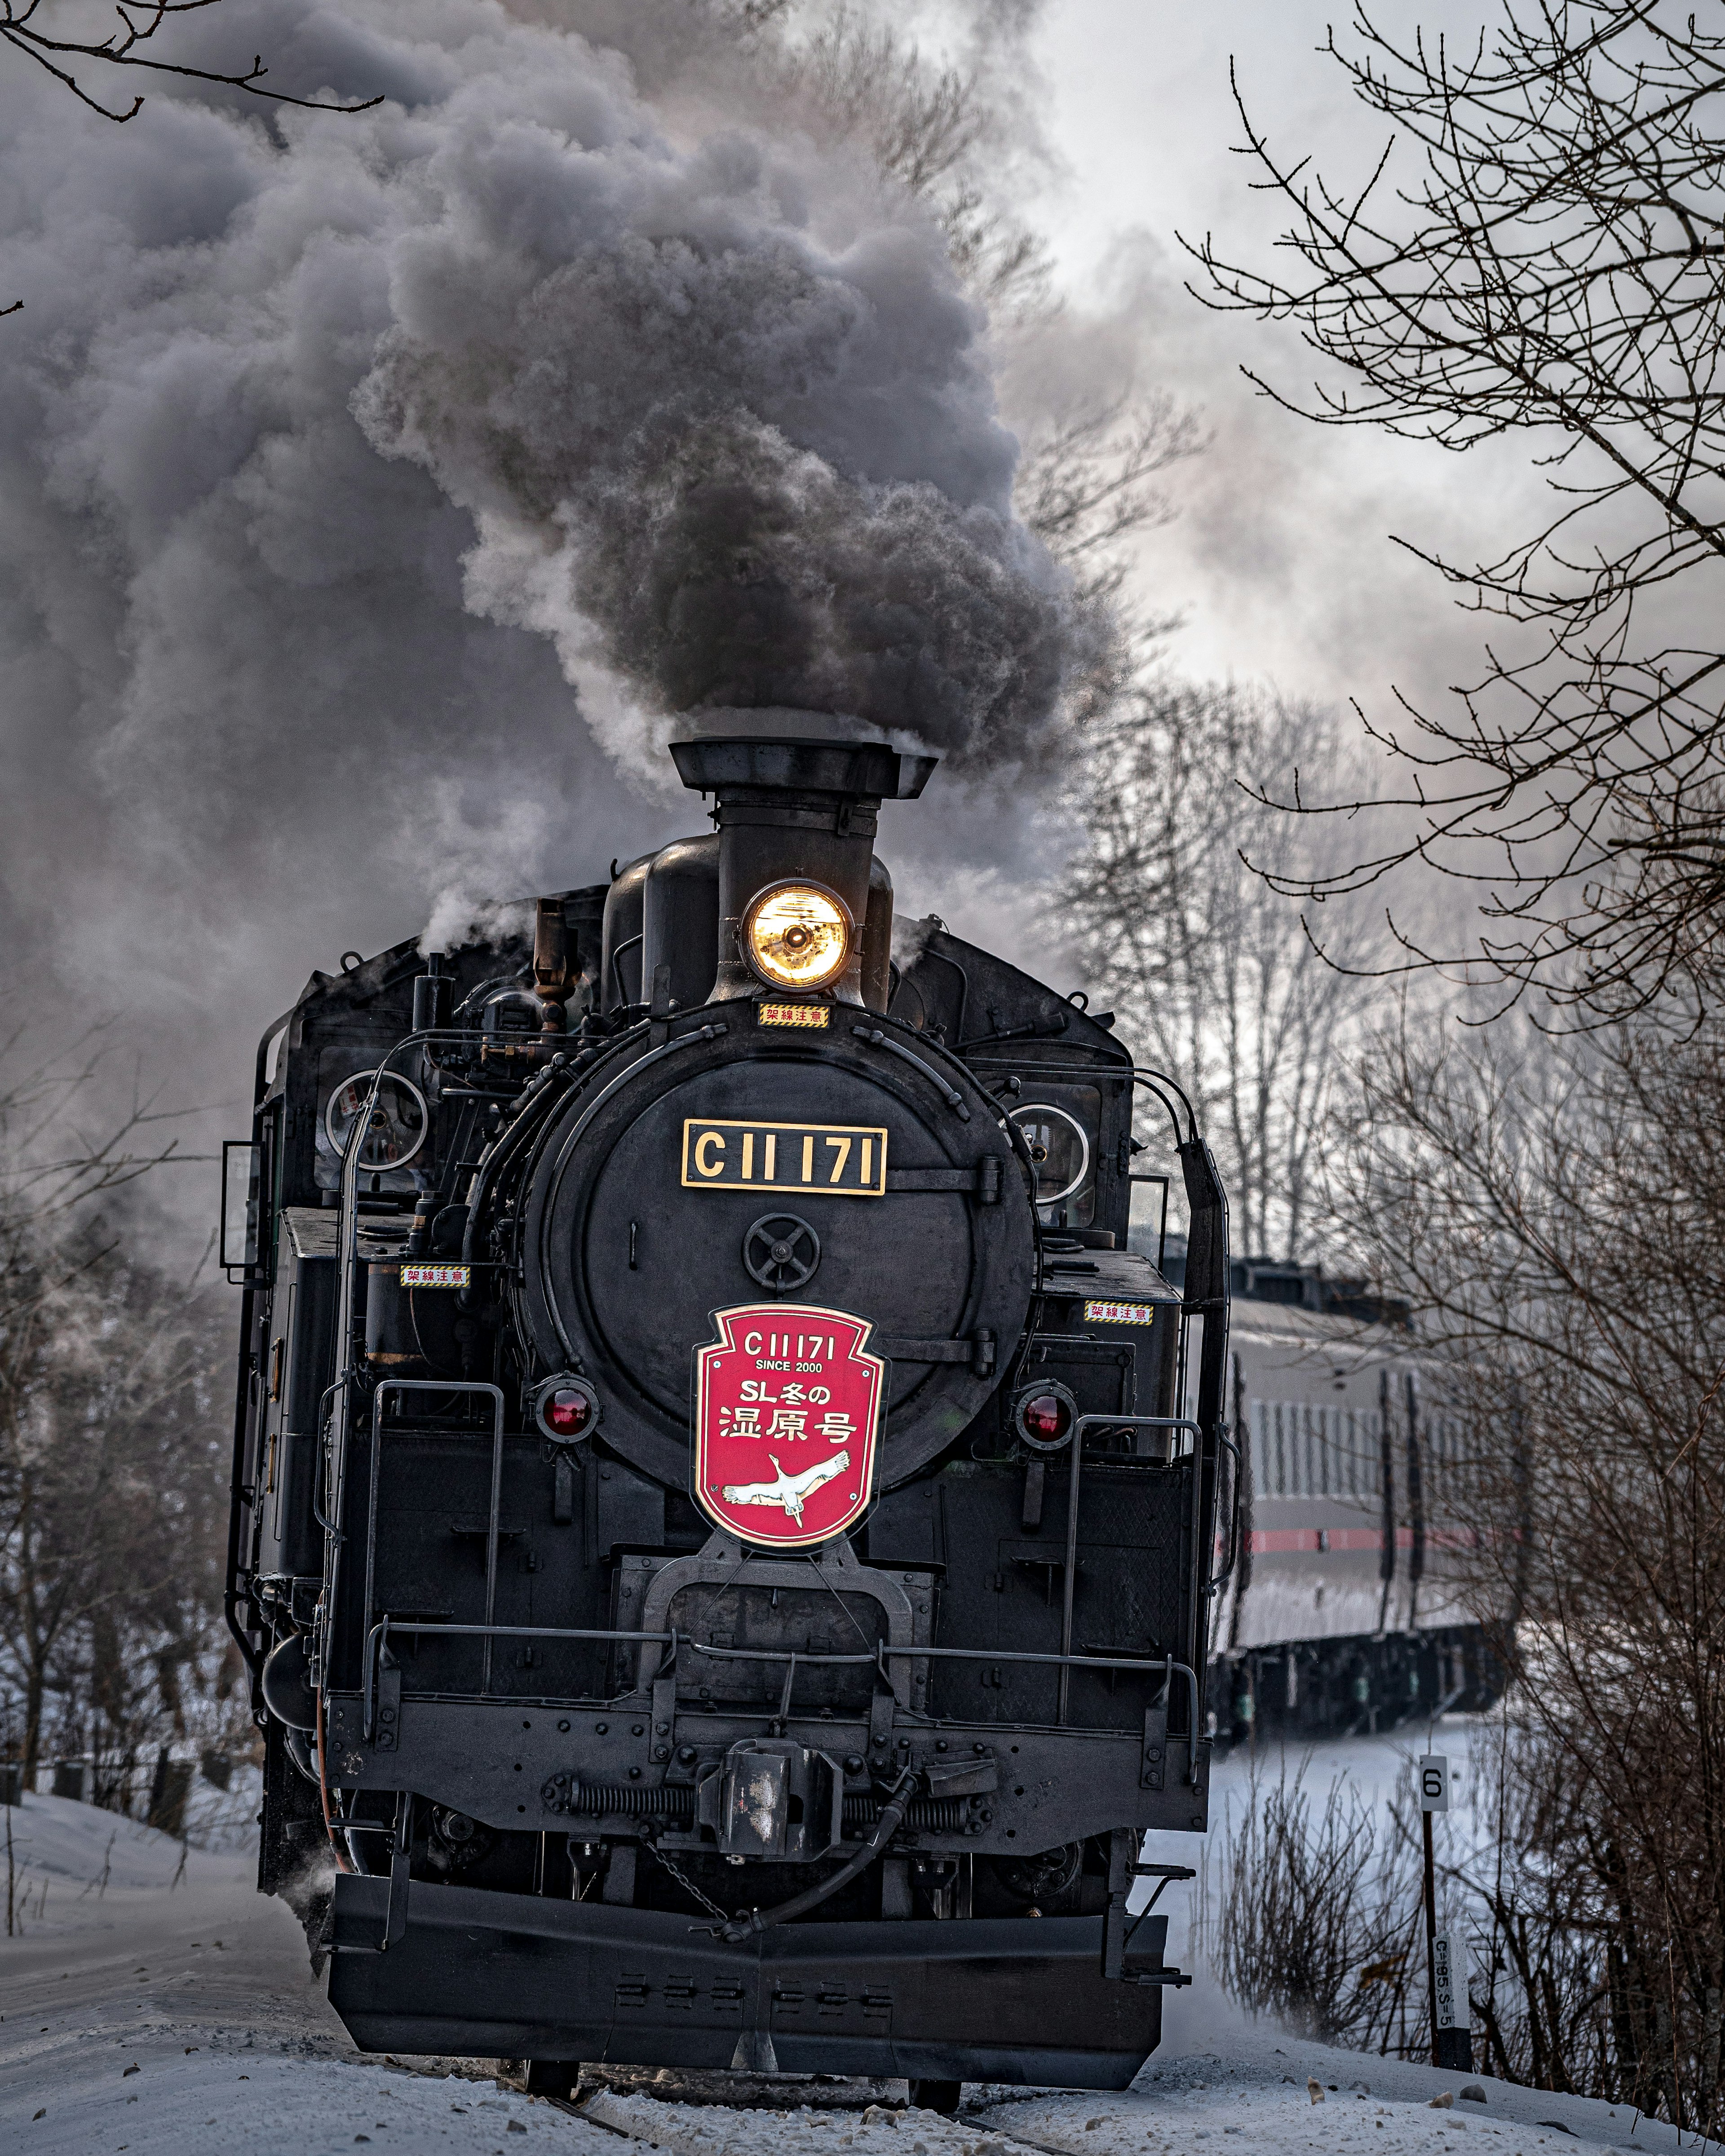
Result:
[{"x": 1015, "y": 1999}]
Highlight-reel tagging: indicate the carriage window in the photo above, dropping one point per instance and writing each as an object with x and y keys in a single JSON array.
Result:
[{"x": 1301, "y": 1450}]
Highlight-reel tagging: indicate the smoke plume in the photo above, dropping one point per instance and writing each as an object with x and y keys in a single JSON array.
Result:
[
  {"x": 374, "y": 488},
  {"x": 737, "y": 396}
]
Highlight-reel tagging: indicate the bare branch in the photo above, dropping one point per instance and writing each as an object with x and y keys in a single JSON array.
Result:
[
  {"x": 120, "y": 49},
  {"x": 1086, "y": 480},
  {"x": 1540, "y": 251},
  {"x": 1554, "y": 1210}
]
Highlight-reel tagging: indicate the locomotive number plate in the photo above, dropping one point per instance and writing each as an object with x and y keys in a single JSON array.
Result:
[
  {"x": 786, "y": 1406},
  {"x": 846, "y": 1159}
]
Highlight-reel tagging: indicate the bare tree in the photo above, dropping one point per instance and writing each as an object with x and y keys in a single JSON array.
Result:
[
  {"x": 1319, "y": 1916},
  {"x": 103, "y": 1436},
  {"x": 1094, "y": 459},
  {"x": 1210, "y": 965},
  {"x": 1089, "y": 479},
  {"x": 935, "y": 131},
  {"x": 1539, "y": 251},
  {"x": 110, "y": 1481},
  {"x": 1556, "y": 1210}
]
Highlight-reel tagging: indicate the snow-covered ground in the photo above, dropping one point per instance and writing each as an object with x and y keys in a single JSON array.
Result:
[
  {"x": 151, "y": 2003},
  {"x": 73, "y": 1868},
  {"x": 159, "y": 2099},
  {"x": 156, "y": 2097},
  {"x": 225, "y": 1818},
  {"x": 1267, "y": 2101}
]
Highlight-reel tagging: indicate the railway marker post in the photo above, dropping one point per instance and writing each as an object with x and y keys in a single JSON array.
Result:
[{"x": 1445, "y": 1954}]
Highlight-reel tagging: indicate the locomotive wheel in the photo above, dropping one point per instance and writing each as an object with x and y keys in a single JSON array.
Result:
[{"x": 936, "y": 2096}]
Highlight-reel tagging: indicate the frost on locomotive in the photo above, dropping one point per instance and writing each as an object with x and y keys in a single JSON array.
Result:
[{"x": 724, "y": 1525}]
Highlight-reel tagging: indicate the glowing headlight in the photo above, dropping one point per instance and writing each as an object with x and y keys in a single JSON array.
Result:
[{"x": 797, "y": 935}]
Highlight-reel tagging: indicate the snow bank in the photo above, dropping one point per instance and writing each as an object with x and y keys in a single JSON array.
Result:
[
  {"x": 74, "y": 1865},
  {"x": 1381, "y": 2108},
  {"x": 155, "y": 2100},
  {"x": 1259, "y": 2087},
  {"x": 1278, "y": 2118}
]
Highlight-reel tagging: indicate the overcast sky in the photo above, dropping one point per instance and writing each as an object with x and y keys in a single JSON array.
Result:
[{"x": 1281, "y": 559}]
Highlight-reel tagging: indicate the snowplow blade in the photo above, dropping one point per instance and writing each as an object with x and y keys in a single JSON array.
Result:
[{"x": 1013, "y": 1999}]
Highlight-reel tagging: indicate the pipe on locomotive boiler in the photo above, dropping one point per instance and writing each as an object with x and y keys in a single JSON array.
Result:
[{"x": 553, "y": 979}]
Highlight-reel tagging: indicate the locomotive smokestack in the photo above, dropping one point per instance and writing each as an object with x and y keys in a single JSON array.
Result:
[{"x": 796, "y": 820}]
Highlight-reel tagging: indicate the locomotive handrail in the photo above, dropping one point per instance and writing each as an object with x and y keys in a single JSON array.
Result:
[
  {"x": 1136, "y": 1422},
  {"x": 329, "y": 1526},
  {"x": 250, "y": 1656},
  {"x": 1208, "y": 1280},
  {"x": 1223, "y": 1437},
  {"x": 629, "y": 943},
  {"x": 1157, "y": 1093},
  {"x": 945, "y": 958},
  {"x": 878, "y": 1038},
  {"x": 1157, "y": 1078},
  {"x": 909, "y": 1652},
  {"x": 1087, "y": 1422}
]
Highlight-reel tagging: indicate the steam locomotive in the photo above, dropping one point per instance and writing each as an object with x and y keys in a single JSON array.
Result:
[{"x": 724, "y": 1527}]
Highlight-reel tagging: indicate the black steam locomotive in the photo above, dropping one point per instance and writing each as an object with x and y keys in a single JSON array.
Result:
[{"x": 724, "y": 1527}]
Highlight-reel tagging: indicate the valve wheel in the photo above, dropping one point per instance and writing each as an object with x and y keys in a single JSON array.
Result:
[{"x": 781, "y": 1251}]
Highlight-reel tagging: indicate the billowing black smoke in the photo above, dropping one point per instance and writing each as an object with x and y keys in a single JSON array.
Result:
[
  {"x": 765, "y": 460},
  {"x": 373, "y": 490}
]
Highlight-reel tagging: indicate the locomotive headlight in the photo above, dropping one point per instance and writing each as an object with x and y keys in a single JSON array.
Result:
[
  {"x": 797, "y": 935},
  {"x": 566, "y": 1409}
]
